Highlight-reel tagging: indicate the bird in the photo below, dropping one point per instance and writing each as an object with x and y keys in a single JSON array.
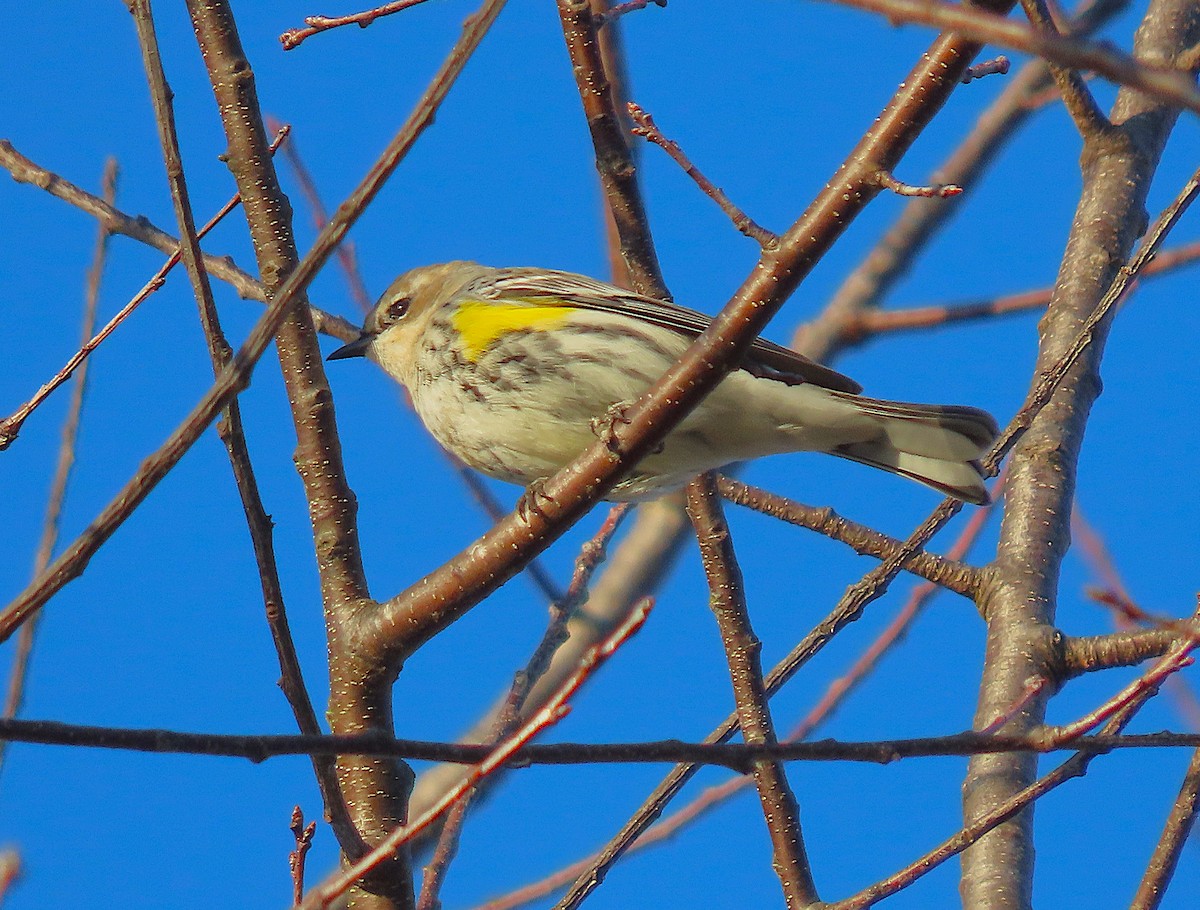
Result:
[{"x": 513, "y": 370}]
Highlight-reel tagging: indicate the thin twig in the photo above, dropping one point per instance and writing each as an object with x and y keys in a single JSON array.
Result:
[
  {"x": 294, "y": 37},
  {"x": 554, "y": 710},
  {"x": 1161, "y": 868},
  {"x": 935, "y": 191},
  {"x": 73, "y": 561},
  {"x": 1126, "y": 613},
  {"x": 346, "y": 255},
  {"x": 513, "y": 707},
  {"x": 739, "y": 757},
  {"x": 1077, "y": 97},
  {"x": 110, "y": 220},
  {"x": 648, "y": 129},
  {"x": 997, "y": 66},
  {"x": 1121, "y": 284},
  {"x": 948, "y": 573},
  {"x": 1165, "y": 83},
  {"x": 617, "y": 10},
  {"x": 302, "y": 834},
  {"x": 727, "y": 599},
  {"x": 1075, "y": 766},
  {"x": 872, "y": 322},
  {"x": 862, "y": 291},
  {"x": 618, "y": 173},
  {"x": 19, "y": 673}
]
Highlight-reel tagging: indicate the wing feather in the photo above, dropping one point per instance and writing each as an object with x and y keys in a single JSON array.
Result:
[{"x": 765, "y": 358}]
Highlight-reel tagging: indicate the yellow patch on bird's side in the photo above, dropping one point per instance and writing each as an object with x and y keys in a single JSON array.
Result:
[{"x": 481, "y": 323}]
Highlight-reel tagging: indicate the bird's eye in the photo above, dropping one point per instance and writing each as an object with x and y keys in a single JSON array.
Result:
[{"x": 397, "y": 309}]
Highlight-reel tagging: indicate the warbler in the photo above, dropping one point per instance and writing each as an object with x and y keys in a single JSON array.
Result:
[{"x": 513, "y": 370}]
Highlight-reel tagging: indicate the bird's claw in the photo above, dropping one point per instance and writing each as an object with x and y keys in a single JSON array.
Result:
[{"x": 531, "y": 499}]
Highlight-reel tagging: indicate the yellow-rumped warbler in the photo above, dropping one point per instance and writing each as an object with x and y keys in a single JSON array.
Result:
[{"x": 510, "y": 369}]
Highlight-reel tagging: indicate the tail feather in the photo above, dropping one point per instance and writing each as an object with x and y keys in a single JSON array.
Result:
[
  {"x": 960, "y": 479},
  {"x": 937, "y": 445}
]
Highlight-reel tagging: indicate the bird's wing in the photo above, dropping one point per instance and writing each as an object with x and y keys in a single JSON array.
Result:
[{"x": 765, "y": 358}]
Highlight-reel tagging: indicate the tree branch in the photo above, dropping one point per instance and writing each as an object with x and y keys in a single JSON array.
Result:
[
  {"x": 618, "y": 174},
  {"x": 950, "y": 574},
  {"x": 727, "y": 599},
  {"x": 229, "y": 428},
  {"x": 1019, "y": 603}
]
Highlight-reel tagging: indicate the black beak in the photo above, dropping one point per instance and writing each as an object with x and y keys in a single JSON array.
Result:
[{"x": 356, "y": 348}]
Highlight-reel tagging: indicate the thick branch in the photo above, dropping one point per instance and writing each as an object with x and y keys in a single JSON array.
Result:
[
  {"x": 1020, "y": 603},
  {"x": 230, "y": 426}
]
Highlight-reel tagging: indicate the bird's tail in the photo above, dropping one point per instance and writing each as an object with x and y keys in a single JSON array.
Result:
[{"x": 937, "y": 445}]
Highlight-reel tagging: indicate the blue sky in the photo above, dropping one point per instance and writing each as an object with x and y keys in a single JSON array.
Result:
[{"x": 165, "y": 628}]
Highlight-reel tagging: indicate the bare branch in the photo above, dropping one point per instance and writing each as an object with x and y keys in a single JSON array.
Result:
[
  {"x": 1167, "y": 84},
  {"x": 516, "y": 703},
  {"x": 111, "y": 220},
  {"x": 954, "y": 576},
  {"x": 554, "y": 709},
  {"x": 18, "y": 674},
  {"x": 294, "y": 37},
  {"x": 1020, "y": 603},
  {"x": 1117, "y": 649},
  {"x": 648, "y": 129},
  {"x": 618, "y": 174},
  {"x": 1078, "y": 98},
  {"x": 229, "y": 428},
  {"x": 727, "y": 599},
  {"x": 1169, "y": 848}
]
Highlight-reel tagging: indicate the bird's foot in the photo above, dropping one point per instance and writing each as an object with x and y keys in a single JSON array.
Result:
[
  {"x": 605, "y": 426},
  {"x": 531, "y": 501}
]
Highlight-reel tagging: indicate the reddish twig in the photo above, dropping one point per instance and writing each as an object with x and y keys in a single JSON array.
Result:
[
  {"x": 1126, "y": 613},
  {"x": 877, "y": 322},
  {"x": 1034, "y": 686},
  {"x": 835, "y": 694},
  {"x": 313, "y": 25},
  {"x": 553, "y": 711},
  {"x": 346, "y": 255},
  {"x": 1141, "y": 688},
  {"x": 648, "y": 129},
  {"x": 1075, "y": 766},
  {"x": 303, "y": 836},
  {"x": 510, "y": 712}
]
